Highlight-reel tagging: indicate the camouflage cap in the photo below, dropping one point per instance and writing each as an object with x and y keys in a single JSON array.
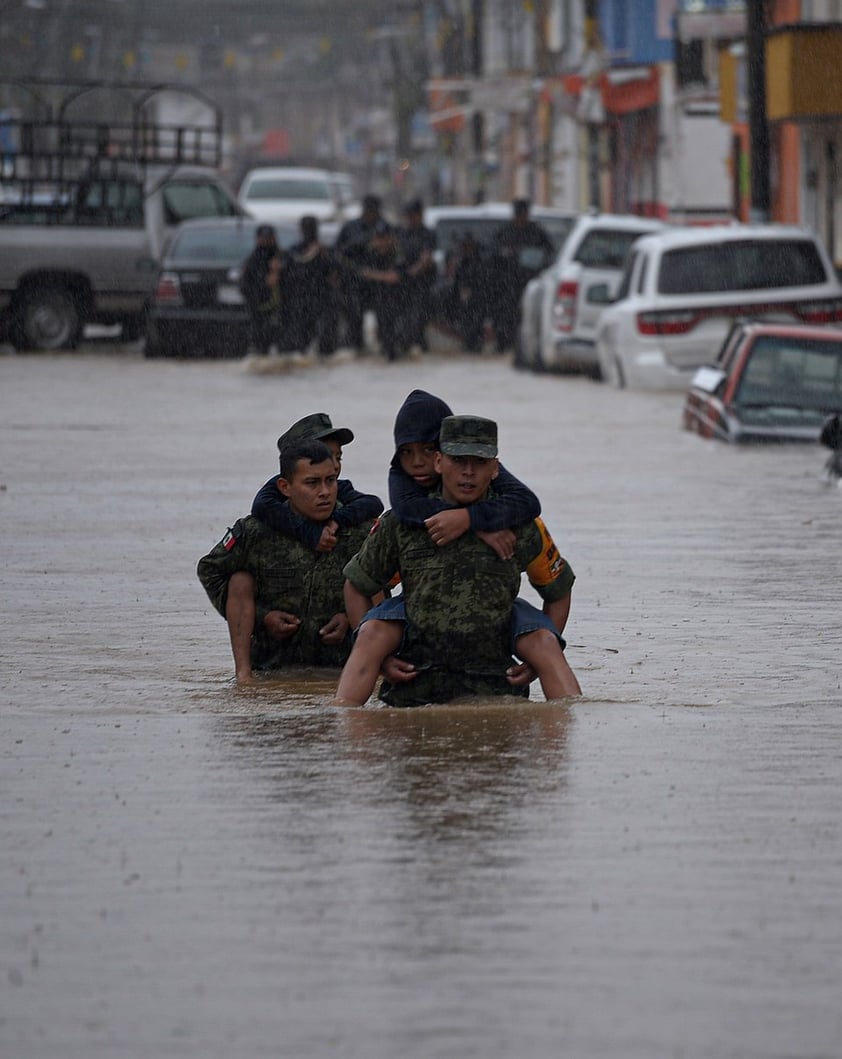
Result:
[
  {"x": 468, "y": 436},
  {"x": 314, "y": 427}
]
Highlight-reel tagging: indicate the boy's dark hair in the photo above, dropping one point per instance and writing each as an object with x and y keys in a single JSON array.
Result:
[{"x": 309, "y": 450}]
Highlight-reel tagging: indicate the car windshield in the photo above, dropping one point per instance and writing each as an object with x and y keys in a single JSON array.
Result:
[
  {"x": 791, "y": 377},
  {"x": 184, "y": 200},
  {"x": 265, "y": 188},
  {"x": 752, "y": 264},
  {"x": 602, "y": 248}
]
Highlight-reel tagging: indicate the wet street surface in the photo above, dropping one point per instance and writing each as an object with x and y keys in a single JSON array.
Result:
[{"x": 188, "y": 871}]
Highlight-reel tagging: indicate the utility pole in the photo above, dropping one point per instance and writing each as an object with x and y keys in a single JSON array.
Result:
[
  {"x": 591, "y": 103},
  {"x": 477, "y": 121},
  {"x": 758, "y": 125}
]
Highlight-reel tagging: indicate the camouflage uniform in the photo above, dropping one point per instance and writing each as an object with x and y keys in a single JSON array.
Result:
[
  {"x": 458, "y": 604},
  {"x": 289, "y": 576}
]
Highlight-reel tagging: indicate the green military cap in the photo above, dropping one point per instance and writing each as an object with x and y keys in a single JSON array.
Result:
[
  {"x": 314, "y": 427},
  {"x": 468, "y": 436}
]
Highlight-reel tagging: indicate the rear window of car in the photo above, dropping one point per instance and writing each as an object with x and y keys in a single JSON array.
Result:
[
  {"x": 226, "y": 246},
  {"x": 804, "y": 373},
  {"x": 752, "y": 264},
  {"x": 266, "y": 188},
  {"x": 602, "y": 248},
  {"x": 557, "y": 228},
  {"x": 213, "y": 245}
]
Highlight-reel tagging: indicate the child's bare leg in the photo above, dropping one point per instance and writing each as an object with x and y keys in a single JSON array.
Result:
[
  {"x": 543, "y": 652},
  {"x": 375, "y": 641}
]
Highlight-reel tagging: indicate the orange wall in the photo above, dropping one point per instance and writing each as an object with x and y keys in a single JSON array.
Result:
[{"x": 786, "y": 141}]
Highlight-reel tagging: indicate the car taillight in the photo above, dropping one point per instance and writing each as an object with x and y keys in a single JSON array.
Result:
[
  {"x": 168, "y": 289},
  {"x": 564, "y": 307},
  {"x": 666, "y": 323},
  {"x": 826, "y": 312}
]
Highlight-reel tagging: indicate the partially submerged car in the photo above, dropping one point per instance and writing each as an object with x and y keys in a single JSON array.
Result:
[{"x": 770, "y": 382}]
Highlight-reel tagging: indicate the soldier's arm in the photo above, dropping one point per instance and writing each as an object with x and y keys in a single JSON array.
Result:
[
  {"x": 357, "y": 604},
  {"x": 372, "y": 569},
  {"x": 356, "y": 507},
  {"x": 513, "y": 504},
  {"x": 549, "y": 573},
  {"x": 214, "y": 570},
  {"x": 410, "y": 502}
]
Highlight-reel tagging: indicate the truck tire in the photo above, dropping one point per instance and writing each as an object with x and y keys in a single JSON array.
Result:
[{"x": 47, "y": 319}]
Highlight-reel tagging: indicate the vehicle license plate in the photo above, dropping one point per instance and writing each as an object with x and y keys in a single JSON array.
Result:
[{"x": 229, "y": 295}]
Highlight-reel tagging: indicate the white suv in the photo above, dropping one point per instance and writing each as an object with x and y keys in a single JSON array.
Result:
[
  {"x": 558, "y": 316},
  {"x": 683, "y": 287}
]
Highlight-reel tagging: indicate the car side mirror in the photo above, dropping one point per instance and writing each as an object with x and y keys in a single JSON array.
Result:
[{"x": 708, "y": 378}]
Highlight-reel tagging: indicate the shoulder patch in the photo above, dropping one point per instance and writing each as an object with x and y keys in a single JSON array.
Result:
[
  {"x": 548, "y": 564},
  {"x": 229, "y": 541}
]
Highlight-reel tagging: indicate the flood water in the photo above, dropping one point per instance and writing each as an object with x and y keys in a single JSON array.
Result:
[{"x": 652, "y": 871}]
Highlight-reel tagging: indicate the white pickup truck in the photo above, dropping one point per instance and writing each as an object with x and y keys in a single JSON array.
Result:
[
  {"x": 558, "y": 319},
  {"x": 85, "y": 210}
]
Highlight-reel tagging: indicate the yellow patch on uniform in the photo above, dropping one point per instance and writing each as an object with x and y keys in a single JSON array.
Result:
[{"x": 548, "y": 564}]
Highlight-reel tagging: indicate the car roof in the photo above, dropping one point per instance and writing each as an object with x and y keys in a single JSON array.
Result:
[
  {"x": 493, "y": 210},
  {"x": 220, "y": 222},
  {"x": 291, "y": 170},
  {"x": 672, "y": 237},
  {"x": 631, "y": 221},
  {"x": 784, "y": 330}
]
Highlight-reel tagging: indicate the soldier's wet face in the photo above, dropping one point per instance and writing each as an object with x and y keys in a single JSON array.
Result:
[
  {"x": 311, "y": 489},
  {"x": 465, "y": 479}
]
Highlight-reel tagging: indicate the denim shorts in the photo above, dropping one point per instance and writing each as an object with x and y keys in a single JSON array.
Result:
[{"x": 525, "y": 618}]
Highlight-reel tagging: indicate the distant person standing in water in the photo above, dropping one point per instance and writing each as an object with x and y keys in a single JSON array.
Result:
[
  {"x": 520, "y": 250},
  {"x": 260, "y": 285},
  {"x": 351, "y": 247}
]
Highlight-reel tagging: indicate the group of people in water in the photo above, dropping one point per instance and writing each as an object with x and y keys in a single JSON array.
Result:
[
  {"x": 316, "y": 293},
  {"x": 424, "y": 597},
  {"x": 313, "y": 293}
]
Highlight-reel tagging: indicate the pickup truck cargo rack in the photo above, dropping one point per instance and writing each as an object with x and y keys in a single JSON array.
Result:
[{"x": 49, "y": 158}]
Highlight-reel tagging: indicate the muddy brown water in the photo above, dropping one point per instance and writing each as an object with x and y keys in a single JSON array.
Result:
[{"x": 652, "y": 871}]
